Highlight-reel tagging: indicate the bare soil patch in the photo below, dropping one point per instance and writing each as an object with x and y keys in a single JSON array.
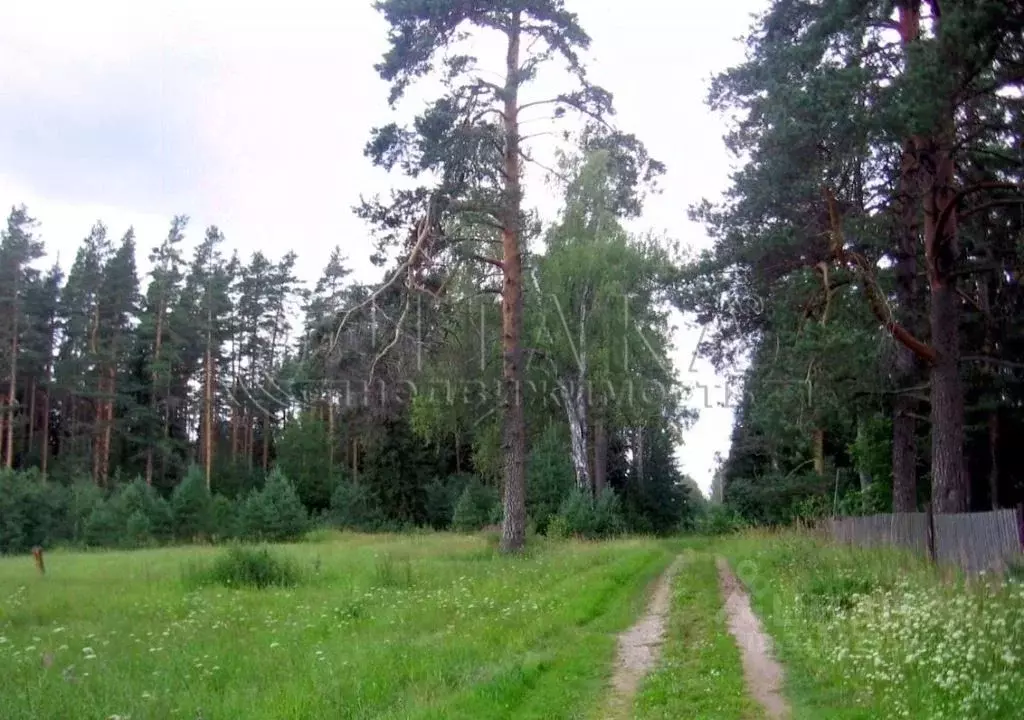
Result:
[{"x": 640, "y": 645}]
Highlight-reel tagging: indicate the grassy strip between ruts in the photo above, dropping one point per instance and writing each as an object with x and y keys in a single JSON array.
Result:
[
  {"x": 879, "y": 634},
  {"x": 699, "y": 676},
  {"x": 431, "y": 626}
]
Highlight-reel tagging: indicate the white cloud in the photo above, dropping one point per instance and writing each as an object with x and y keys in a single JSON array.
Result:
[{"x": 261, "y": 112}]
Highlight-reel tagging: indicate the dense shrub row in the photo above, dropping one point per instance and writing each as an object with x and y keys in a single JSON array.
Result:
[
  {"x": 33, "y": 512},
  {"x": 134, "y": 514}
]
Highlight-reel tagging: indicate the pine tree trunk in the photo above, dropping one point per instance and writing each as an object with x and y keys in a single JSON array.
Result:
[
  {"x": 236, "y": 410},
  {"x": 234, "y": 430},
  {"x": 904, "y": 424},
  {"x": 236, "y": 420},
  {"x": 103, "y": 422},
  {"x": 149, "y": 465},
  {"x": 30, "y": 432},
  {"x": 265, "y": 441},
  {"x": 950, "y": 485},
  {"x": 208, "y": 414},
  {"x": 513, "y": 530},
  {"x": 904, "y": 456},
  {"x": 907, "y": 368},
  {"x": 97, "y": 403},
  {"x": 167, "y": 437},
  {"x": 97, "y": 421},
  {"x": 251, "y": 429},
  {"x": 108, "y": 423},
  {"x": 153, "y": 400},
  {"x": 248, "y": 437},
  {"x": 331, "y": 431},
  {"x": 355, "y": 459},
  {"x": 458, "y": 455},
  {"x": 73, "y": 426},
  {"x": 949, "y": 476},
  {"x": 862, "y": 471},
  {"x": 44, "y": 455},
  {"x": 12, "y": 393}
]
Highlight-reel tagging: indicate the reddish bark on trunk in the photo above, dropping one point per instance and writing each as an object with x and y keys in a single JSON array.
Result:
[
  {"x": 12, "y": 393},
  {"x": 513, "y": 531},
  {"x": 949, "y": 472},
  {"x": 157, "y": 347},
  {"x": 208, "y": 416}
]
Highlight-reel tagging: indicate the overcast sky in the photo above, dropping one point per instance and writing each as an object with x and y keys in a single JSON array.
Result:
[{"x": 253, "y": 117}]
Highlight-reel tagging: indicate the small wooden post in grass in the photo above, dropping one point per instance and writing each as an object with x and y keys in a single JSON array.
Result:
[
  {"x": 37, "y": 555},
  {"x": 931, "y": 534}
]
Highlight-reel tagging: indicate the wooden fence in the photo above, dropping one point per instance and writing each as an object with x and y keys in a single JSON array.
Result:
[{"x": 971, "y": 541}]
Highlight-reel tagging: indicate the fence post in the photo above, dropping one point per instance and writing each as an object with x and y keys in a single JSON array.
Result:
[{"x": 931, "y": 534}]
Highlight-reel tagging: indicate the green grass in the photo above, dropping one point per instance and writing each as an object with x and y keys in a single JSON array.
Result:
[
  {"x": 700, "y": 676},
  {"x": 424, "y": 626},
  {"x": 867, "y": 634},
  {"x": 441, "y": 626}
]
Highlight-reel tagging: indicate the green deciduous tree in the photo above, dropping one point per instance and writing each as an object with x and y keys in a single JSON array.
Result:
[{"x": 598, "y": 320}]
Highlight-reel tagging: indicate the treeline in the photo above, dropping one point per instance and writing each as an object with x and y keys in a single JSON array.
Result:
[
  {"x": 870, "y": 247},
  {"x": 228, "y": 370},
  {"x": 135, "y": 515},
  {"x": 132, "y": 515}
]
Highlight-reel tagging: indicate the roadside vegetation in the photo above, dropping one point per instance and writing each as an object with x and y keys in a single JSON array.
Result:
[{"x": 878, "y": 633}]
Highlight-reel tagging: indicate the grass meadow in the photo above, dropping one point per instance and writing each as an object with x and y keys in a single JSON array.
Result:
[
  {"x": 421, "y": 626},
  {"x": 441, "y": 626}
]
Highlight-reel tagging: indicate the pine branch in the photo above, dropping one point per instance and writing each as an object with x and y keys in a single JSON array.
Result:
[
  {"x": 991, "y": 204},
  {"x": 424, "y": 232},
  {"x": 484, "y": 259},
  {"x": 394, "y": 340},
  {"x": 993, "y": 360},
  {"x": 970, "y": 190},
  {"x": 876, "y": 299},
  {"x": 537, "y": 103},
  {"x": 558, "y": 174}
]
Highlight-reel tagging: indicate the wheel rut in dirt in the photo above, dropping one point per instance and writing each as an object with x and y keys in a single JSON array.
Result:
[
  {"x": 640, "y": 645},
  {"x": 763, "y": 675}
]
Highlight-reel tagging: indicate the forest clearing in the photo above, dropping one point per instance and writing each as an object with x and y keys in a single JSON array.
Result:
[
  {"x": 509, "y": 371},
  {"x": 443, "y": 626}
]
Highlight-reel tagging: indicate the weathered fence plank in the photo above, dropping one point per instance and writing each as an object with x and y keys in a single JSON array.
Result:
[{"x": 971, "y": 541}]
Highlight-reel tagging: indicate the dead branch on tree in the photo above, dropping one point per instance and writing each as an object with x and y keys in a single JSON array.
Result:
[
  {"x": 862, "y": 268},
  {"x": 423, "y": 231}
]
